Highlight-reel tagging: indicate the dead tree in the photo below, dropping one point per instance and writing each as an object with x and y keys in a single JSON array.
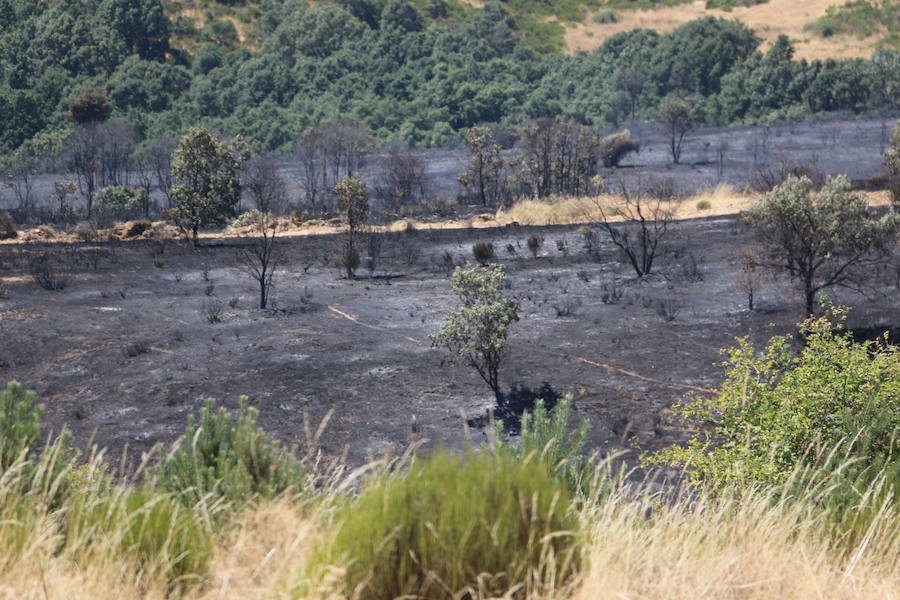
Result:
[
  {"x": 261, "y": 257},
  {"x": 639, "y": 223},
  {"x": 265, "y": 186}
]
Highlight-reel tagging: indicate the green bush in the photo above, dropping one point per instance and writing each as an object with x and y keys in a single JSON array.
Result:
[
  {"x": 120, "y": 200},
  {"x": 40, "y": 472},
  {"x": 483, "y": 252},
  {"x": 228, "y": 459},
  {"x": 605, "y": 16},
  {"x": 152, "y": 528},
  {"x": 488, "y": 522},
  {"x": 251, "y": 217},
  {"x": 778, "y": 408},
  {"x": 704, "y": 205}
]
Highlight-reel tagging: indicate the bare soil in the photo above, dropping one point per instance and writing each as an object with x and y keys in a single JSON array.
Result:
[{"x": 124, "y": 352}]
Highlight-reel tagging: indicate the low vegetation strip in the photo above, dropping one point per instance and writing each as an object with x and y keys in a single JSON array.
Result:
[{"x": 809, "y": 509}]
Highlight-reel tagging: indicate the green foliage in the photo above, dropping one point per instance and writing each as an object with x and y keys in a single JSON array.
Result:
[
  {"x": 704, "y": 205},
  {"x": 678, "y": 118},
  {"x": 20, "y": 424},
  {"x": 40, "y": 472},
  {"x": 155, "y": 530},
  {"x": 487, "y": 521},
  {"x": 552, "y": 439},
  {"x": 228, "y": 459},
  {"x": 778, "y": 409},
  {"x": 207, "y": 184},
  {"x": 482, "y": 177},
  {"x": 860, "y": 18},
  {"x": 250, "y": 217},
  {"x": 121, "y": 200},
  {"x": 476, "y": 331},
  {"x": 353, "y": 200},
  {"x": 824, "y": 239}
]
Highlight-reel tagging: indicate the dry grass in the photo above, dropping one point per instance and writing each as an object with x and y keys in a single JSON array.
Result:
[
  {"x": 723, "y": 200},
  {"x": 769, "y": 20},
  {"x": 742, "y": 549},
  {"x": 725, "y": 550}
]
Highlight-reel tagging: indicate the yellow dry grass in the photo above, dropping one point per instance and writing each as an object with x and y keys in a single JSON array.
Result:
[
  {"x": 737, "y": 550},
  {"x": 769, "y": 20},
  {"x": 744, "y": 549},
  {"x": 255, "y": 559}
]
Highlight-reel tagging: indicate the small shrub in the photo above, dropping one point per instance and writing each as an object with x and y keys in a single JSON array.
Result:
[
  {"x": 137, "y": 348},
  {"x": 611, "y": 293},
  {"x": 668, "y": 309},
  {"x": 211, "y": 310},
  {"x": 251, "y": 217},
  {"x": 567, "y": 306},
  {"x": 48, "y": 272},
  {"x": 613, "y": 148},
  {"x": 534, "y": 245},
  {"x": 605, "y": 16},
  {"x": 483, "y": 252},
  {"x": 159, "y": 262},
  {"x": 209, "y": 290},
  {"x": 487, "y": 521},
  {"x": 704, "y": 205},
  {"x": 7, "y": 226},
  {"x": 228, "y": 457},
  {"x": 349, "y": 259},
  {"x": 234, "y": 301}
]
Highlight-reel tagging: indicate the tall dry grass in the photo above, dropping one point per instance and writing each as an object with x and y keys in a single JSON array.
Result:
[
  {"x": 723, "y": 199},
  {"x": 755, "y": 545}
]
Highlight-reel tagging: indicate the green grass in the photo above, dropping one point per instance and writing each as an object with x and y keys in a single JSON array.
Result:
[
  {"x": 863, "y": 19},
  {"x": 489, "y": 521}
]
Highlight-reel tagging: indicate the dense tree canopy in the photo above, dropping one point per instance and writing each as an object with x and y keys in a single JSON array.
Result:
[{"x": 398, "y": 71}]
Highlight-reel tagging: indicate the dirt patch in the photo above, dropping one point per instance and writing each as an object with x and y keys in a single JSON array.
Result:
[{"x": 768, "y": 20}]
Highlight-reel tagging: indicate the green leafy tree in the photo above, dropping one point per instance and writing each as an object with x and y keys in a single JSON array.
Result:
[
  {"x": 485, "y": 165},
  {"x": 779, "y": 408},
  {"x": 821, "y": 239},
  {"x": 476, "y": 331},
  {"x": 207, "y": 185},
  {"x": 353, "y": 203}
]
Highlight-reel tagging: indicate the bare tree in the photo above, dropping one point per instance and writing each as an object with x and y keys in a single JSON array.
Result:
[
  {"x": 265, "y": 186},
  {"x": 99, "y": 154},
  {"x": 822, "y": 240},
  {"x": 402, "y": 179},
  {"x": 326, "y": 154},
  {"x": 261, "y": 257},
  {"x": 639, "y": 223},
  {"x": 678, "y": 118},
  {"x": 555, "y": 157}
]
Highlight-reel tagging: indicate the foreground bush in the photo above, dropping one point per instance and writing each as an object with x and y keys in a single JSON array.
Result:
[
  {"x": 488, "y": 523},
  {"x": 228, "y": 459},
  {"x": 161, "y": 536},
  {"x": 774, "y": 407}
]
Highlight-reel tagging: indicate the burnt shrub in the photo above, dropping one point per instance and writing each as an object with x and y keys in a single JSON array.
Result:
[
  {"x": 513, "y": 404},
  {"x": 613, "y": 148},
  {"x": 483, "y": 252},
  {"x": 50, "y": 271},
  {"x": 534, "y": 245}
]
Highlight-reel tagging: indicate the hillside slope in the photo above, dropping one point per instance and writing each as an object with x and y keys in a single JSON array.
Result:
[{"x": 768, "y": 20}]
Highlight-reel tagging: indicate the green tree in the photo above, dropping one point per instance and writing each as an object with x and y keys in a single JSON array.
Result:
[
  {"x": 353, "y": 203},
  {"x": 207, "y": 185},
  {"x": 485, "y": 165},
  {"x": 821, "y": 239},
  {"x": 476, "y": 331}
]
